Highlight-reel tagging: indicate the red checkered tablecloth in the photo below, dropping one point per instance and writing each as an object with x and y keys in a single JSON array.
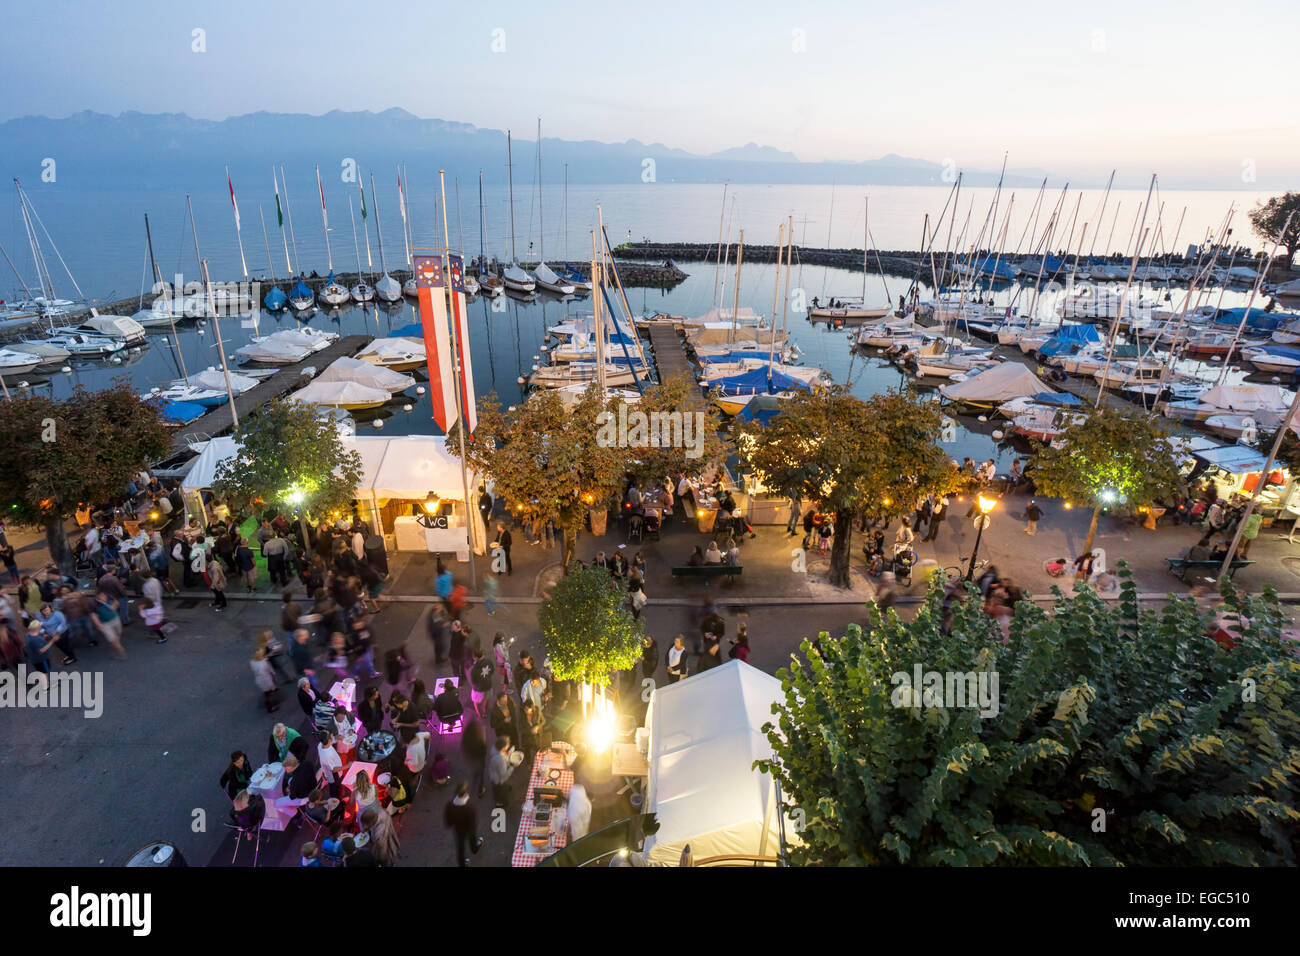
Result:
[{"x": 524, "y": 853}]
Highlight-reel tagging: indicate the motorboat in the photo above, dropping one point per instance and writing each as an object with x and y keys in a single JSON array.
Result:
[
  {"x": 809, "y": 375},
  {"x": 1267, "y": 404},
  {"x": 47, "y": 353},
  {"x": 490, "y": 285},
  {"x": 17, "y": 363},
  {"x": 471, "y": 285},
  {"x": 570, "y": 373},
  {"x": 341, "y": 394},
  {"x": 157, "y": 315},
  {"x": 887, "y": 333},
  {"x": 1240, "y": 428},
  {"x": 1127, "y": 374},
  {"x": 547, "y": 278},
  {"x": 851, "y": 312},
  {"x": 517, "y": 280},
  {"x": 994, "y": 385},
  {"x": 196, "y": 394},
  {"x": 313, "y": 340},
  {"x": 1045, "y": 423},
  {"x": 345, "y": 369},
  {"x": 270, "y": 350},
  {"x": 1273, "y": 358},
  {"x": 85, "y": 344},
  {"x": 572, "y": 394},
  {"x": 120, "y": 327},
  {"x": 397, "y": 354}
]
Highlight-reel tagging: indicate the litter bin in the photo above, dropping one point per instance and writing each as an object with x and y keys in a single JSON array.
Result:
[{"x": 376, "y": 553}]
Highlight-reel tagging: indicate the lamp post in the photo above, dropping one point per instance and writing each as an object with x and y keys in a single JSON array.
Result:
[{"x": 985, "y": 506}]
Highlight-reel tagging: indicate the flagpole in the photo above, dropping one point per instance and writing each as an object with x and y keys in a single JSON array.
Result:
[
  {"x": 370, "y": 264},
  {"x": 238, "y": 233},
  {"x": 455, "y": 361},
  {"x": 288, "y": 208}
]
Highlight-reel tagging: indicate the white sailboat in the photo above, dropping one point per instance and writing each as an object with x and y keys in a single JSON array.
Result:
[
  {"x": 362, "y": 291},
  {"x": 515, "y": 278},
  {"x": 409, "y": 288},
  {"x": 547, "y": 278},
  {"x": 394, "y": 353},
  {"x": 490, "y": 285},
  {"x": 47, "y": 304},
  {"x": 387, "y": 289},
  {"x": 333, "y": 294}
]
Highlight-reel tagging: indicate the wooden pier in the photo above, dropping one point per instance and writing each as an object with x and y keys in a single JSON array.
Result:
[
  {"x": 671, "y": 361},
  {"x": 220, "y": 420}
]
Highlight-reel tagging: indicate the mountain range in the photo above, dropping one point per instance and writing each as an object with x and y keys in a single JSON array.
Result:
[{"x": 141, "y": 149}]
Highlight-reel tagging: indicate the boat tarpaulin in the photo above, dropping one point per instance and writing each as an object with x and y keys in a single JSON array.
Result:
[
  {"x": 1001, "y": 383},
  {"x": 756, "y": 382}
]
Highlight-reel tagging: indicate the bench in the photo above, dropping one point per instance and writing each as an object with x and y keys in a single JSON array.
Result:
[
  {"x": 708, "y": 571},
  {"x": 1181, "y": 566}
]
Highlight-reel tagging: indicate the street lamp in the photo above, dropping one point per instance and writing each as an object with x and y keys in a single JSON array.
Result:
[{"x": 985, "y": 506}]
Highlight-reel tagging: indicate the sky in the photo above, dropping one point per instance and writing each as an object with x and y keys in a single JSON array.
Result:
[{"x": 1190, "y": 88}]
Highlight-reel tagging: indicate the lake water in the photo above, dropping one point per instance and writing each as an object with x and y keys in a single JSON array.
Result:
[{"x": 101, "y": 236}]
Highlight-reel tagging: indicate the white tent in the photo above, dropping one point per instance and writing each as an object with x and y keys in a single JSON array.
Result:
[
  {"x": 1001, "y": 383},
  {"x": 704, "y": 737}
]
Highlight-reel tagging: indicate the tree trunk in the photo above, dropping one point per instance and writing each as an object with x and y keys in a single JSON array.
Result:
[
  {"x": 1092, "y": 530},
  {"x": 841, "y": 556},
  {"x": 56, "y": 538},
  {"x": 570, "y": 546}
]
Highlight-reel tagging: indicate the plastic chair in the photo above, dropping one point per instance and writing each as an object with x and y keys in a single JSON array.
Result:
[{"x": 453, "y": 726}]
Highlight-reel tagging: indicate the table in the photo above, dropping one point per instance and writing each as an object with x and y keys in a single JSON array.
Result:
[
  {"x": 377, "y": 747},
  {"x": 270, "y": 787},
  {"x": 354, "y": 768},
  {"x": 524, "y": 853},
  {"x": 627, "y": 762},
  {"x": 344, "y": 692}
]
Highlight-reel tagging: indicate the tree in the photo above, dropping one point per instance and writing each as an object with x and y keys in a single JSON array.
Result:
[
  {"x": 587, "y": 629},
  {"x": 546, "y": 459},
  {"x": 1268, "y": 218},
  {"x": 1114, "y": 457},
  {"x": 82, "y": 450},
  {"x": 1118, "y": 736},
  {"x": 707, "y": 439},
  {"x": 289, "y": 457},
  {"x": 850, "y": 455}
]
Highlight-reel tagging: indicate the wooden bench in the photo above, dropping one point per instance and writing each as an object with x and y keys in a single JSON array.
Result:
[
  {"x": 708, "y": 571},
  {"x": 1181, "y": 566}
]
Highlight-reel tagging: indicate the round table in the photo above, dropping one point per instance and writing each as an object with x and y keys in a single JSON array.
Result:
[{"x": 377, "y": 747}]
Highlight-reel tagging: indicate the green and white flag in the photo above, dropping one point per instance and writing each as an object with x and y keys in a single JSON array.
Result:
[
  {"x": 279, "y": 214},
  {"x": 362, "y": 190}
]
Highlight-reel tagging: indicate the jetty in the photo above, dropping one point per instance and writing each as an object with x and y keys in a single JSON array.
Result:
[{"x": 221, "y": 419}]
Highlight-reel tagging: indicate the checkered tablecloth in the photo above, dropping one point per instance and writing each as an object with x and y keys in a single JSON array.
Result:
[{"x": 524, "y": 853}]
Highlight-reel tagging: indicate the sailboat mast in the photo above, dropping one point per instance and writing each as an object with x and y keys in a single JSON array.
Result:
[
  {"x": 460, "y": 223},
  {"x": 279, "y": 215},
  {"x": 717, "y": 259},
  {"x": 510, "y": 176},
  {"x": 288, "y": 211},
  {"x": 866, "y": 200},
  {"x": 370, "y": 262},
  {"x": 482, "y": 229},
  {"x": 171, "y": 312},
  {"x": 38, "y": 256},
  {"x": 355, "y": 244},
  {"x": 379, "y": 231},
  {"x": 776, "y": 298},
  {"x": 735, "y": 306},
  {"x": 1123, "y": 300},
  {"x": 1254, "y": 292},
  {"x": 789, "y": 251},
  {"x": 325, "y": 221},
  {"x": 221, "y": 347},
  {"x": 566, "y": 212},
  {"x": 541, "y": 204},
  {"x": 401, "y": 201}
]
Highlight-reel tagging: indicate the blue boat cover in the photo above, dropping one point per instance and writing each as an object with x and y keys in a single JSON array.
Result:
[
  {"x": 1259, "y": 319},
  {"x": 1282, "y": 351},
  {"x": 1053, "y": 347},
  {"x": 723, "y": 358},
  {"x": 1078, "y": 333},
  {"x": 413, "y": 331},
  {"x": 1057, "y": 398},
  {"x": 300, "y": 291},
  {"x": 997, "y": 268},
  {"x": 275, "y": 299},
  {"x": 1052, "y": 264},
  {"x": 182, "y": 412},
  {"x": 755, "y": 382}
]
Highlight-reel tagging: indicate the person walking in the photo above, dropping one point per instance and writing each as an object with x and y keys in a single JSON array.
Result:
[
  {"x": 677, "y": 668},
  {"x": 1032, "y": 515},
  {"x": 473, "y": 744},
  {"x": 480, "y": 681},
  {"x": 217, "y": 582},
  {"x": 1249, "y": 532},
  {"x": 107, "y": 622},
  {"x": 247, "y": 564},
  {"x": 649, "y": 658},
  {"x": 500, "y": 766},
  {"x": 792, "y": 520},
  {"x": 462, "y": 817},
  {"x": 636, "y": 597},
  {"x": 504, "y": 542},
  {"x": 264, "y": 678}
]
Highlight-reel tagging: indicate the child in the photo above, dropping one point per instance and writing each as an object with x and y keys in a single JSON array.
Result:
[
  {"x": 309, "y": 857},
  {"x": 154, "y": 618}
]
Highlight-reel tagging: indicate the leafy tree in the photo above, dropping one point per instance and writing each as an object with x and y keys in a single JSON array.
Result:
[
  {"x": 851, "y": 455},
  {"x": 1114, "y": 457},
  {"x": 84, "y": 449},
  {"x": 291, "y": 458},
  {"x": 1122, "y": 736},
  {"x": 587, "y": 629},
  {"x": 708, "y": 444},
  {"x": 546, "y": 460},
  {"x": 1268, "y": 218}
]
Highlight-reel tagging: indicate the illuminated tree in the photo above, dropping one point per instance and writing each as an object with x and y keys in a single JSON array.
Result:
[
  {"x": 545, "y": 459},
  {"x": 1113, "y": 736},
  {"x": 82, "y": 450},
  {"x": 587, "y": 629},
  {"x": 849, "y": 455},
  {"x": 289, "y": 457},
  {"x": 1113, "y": 458}
]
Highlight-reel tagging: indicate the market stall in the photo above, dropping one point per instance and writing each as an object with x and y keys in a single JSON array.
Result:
[{"x": 703, "y": 737}]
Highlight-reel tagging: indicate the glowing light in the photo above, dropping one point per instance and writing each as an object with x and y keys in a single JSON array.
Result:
[
  {"x": 1109, "y": 496},
  {"x": 986, "y": 504},
  {"x": 1068, "y": 506},
  {"x": 600, "y": 732},
  {"x": 886, "y": 502}
]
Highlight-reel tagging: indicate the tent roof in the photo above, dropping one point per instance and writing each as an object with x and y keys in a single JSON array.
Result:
[
  {"x": 704, "y": 738},
  {"x": 998, "y": 384},
  {"x": 1234, "y": 459}
]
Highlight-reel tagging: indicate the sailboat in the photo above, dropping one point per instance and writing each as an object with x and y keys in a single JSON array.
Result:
[
  {"x": 515, "y": 278},
  {"x": 333, "y": 294},
  {"x": 566, "y": 272},
  {"x": 47, "y": 304},
  {"x": 275, "y": 300},
  {"x": 387, "y": 288},
  {"x": 363, "y": 291},
  {"x": 159, "y": 312},
  {"x": 853, "y": 310},
  {"x": 301, "y": 297},
  {"x": 546, "y": 276},
  {"x": 490, "y": 285},
  {"x": 409, "y": 288}
]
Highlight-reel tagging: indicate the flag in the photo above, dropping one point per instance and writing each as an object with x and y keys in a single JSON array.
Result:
[
  {"x": 460, "y": 328},
  {"x": 232, "y": 199},
  {"x": 401, "y": 191},
  {"x": 363, "y": 197},
  {"x": 430, "y": 282},
  {"x": 279, "y": 214},
  {"x": 324, "y": 215}
]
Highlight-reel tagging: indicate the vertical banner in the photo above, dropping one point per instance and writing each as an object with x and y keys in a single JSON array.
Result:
[
  {"x": 437, "y": 343},
  {"x": 460, "y": 328}
]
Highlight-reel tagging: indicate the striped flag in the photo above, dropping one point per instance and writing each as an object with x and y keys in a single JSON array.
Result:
[
  {"x": 430, "y": 282},
  {"x": 362, "y": 189},
  {"x": 460, "y": 328},
  {"x": 232, "y": 198},
  {"x": 279, "y": 213}
]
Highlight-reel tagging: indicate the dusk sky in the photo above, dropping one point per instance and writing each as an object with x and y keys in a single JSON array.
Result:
[{"x": 1189, "y": 89}]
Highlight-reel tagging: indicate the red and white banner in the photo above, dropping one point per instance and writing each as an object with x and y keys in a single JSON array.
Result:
[
  {"x": 460, "y": 328},
  {"x": 431, "y": 284}
]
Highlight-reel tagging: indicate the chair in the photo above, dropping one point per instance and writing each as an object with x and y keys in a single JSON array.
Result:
[
  {"x": 634, "y": 527},
  {"x": 240, "y": 832},
  {"x": 453, "y": 726}
]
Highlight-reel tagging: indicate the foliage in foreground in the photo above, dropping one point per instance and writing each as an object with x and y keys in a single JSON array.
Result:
[
  {"x": 587, "y": 629},
  {"x": 1125, "y": 736}
]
